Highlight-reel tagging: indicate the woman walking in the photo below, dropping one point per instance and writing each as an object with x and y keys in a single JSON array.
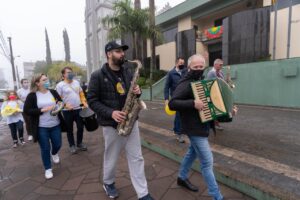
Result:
[{"x": 46, "y": 128}]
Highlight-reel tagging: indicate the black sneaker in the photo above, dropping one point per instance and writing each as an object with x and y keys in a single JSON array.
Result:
[
  {"x": 110, "y": 190},
  {"x": 147, "y": 197},
  {"x": 82, "y": 147}
]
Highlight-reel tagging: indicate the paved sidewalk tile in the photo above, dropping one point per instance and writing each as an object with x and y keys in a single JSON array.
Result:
[{"x": 78, "y": 176}]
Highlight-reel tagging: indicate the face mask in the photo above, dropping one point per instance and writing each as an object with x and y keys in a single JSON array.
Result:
[
  {"x": 196, "y": 74},
  {"x": 12, "y": 97},
  {"x": 46, "y": 84},
  {"x": 181, "y": 67},
  {"x": 25, "y": 85},
  {"x": 70, "y": 76}
]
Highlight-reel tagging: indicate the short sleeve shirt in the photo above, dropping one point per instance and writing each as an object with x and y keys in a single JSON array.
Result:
[
  {"x": 69, "y": 92},
  {"x": 46, "y": 119}
]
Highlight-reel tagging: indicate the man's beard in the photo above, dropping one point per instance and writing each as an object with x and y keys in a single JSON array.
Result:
[{"x": 118, "y": 61}]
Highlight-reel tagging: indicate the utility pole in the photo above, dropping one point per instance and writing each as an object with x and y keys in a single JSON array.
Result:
[{"x": 12, "y": 64}]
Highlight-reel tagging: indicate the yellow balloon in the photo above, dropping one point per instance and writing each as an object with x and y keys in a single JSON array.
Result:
[{"x": 168, "y": 111}]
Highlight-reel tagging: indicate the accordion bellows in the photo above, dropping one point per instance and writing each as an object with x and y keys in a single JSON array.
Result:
[{"x": 217, "y": 97}]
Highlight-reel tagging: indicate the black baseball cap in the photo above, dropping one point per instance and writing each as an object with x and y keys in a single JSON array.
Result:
[{"x": 114, "y": 45}]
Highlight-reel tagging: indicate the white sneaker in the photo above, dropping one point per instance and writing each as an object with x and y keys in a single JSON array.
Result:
[
  {"x": 55, "y": 158},
  {"x": 48, "y": 174},
  {"x": 30, "y": 138}
]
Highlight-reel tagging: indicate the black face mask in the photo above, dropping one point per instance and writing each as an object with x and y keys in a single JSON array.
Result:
[
  {"x": 196, "y": 74},
  {"x": 181, "y": 67}
]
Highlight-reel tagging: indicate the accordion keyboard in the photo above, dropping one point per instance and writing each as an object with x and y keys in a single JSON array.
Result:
[{"x": 201, "y": 93}]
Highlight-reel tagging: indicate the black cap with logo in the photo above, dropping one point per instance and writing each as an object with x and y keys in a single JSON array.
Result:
[{"x": 114, "y": 45}]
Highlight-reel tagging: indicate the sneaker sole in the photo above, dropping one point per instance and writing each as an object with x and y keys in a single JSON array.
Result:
[{"x": 112, "y": 197}]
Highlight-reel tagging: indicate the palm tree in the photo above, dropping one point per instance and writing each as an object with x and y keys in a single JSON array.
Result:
[
  {"x": 152, "y": 43},
  {"x": 127, "y": 20}
]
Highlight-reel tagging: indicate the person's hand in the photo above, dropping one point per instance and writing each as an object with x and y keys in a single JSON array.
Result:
[
  {"x": 234, "y": 110},
  {"x": 85, "y": 105},
  {"x": 48, "y": 108},
  {"x": 137, "y": 90},
  {"x": 166, "y": 101},
  {"x": 68, "y": 106},
  {"x": 118, "y": 116},
  {"x": 199, "y": 105}
]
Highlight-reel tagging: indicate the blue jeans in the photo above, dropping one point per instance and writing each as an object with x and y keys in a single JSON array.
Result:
[
  {"x": 199, "y": 148},
  {"x": 44, "y": 135},
  {"x": 70, "y": 117},
  {"x": 177, "y": 124},
  {"x": 14, "y": 128}
]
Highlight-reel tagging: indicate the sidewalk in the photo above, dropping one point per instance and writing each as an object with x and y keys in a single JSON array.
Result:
[
  {"x": 78, "y": 176},
  {"x": 258, "y": 153}
]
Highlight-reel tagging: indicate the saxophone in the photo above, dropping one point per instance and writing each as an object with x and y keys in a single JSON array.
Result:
[{"x": 133, "y": 105}]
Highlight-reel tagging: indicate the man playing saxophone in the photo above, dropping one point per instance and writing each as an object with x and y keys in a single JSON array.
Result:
[{"x": 107, "y": 92}]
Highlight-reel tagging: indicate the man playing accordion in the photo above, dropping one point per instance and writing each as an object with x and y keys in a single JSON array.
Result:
[{"x": 183, "y": 102}]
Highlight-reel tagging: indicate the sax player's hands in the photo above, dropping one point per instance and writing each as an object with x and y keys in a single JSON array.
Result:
[
  {"x": 136, "y": 89},
  {"x": 198, "y": 104},
  {"x": 118, "y": 116}
]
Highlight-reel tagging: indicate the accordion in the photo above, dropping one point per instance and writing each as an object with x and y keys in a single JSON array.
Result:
[{"x": 217, "y": 97}]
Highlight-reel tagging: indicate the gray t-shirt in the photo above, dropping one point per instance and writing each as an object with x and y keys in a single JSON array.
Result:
[
  {"x": 44, "y": 100},
  {"x": 69, "y": 93}
]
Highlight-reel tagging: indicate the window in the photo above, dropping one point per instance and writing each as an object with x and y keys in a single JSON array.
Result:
[
  {"x": 219, "y": 22},
  {"x": 170, "y": 35}
]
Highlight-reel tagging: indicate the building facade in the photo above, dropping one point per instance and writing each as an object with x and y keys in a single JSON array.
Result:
[
  {"x": 239, "y": 31},
  {"x": 96, "y": 33},
  {"x": 28, "y": 68}
]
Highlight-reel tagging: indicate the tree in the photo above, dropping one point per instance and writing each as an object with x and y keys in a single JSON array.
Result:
[
  {"x": 127, "y": 20},
  {"x": 41, "y": 67},
  {"x": 48, "y": 51},
  {"x": 139, "y": 50},
  {"x": 66, "y": 45},
  {"x": 54, "y": 73},
  {"x": 152, "y": 42}
]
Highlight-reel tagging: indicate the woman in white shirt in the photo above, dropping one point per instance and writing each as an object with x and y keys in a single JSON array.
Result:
[{"x": 46, "y": 129}]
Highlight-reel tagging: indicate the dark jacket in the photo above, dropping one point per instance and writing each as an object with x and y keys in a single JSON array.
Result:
[
  {"x": 32, "y": 110},
  {"x": 183, "y": 102},
  {"x": 102, "y": 96},
  {"x": 172, "y": 80}
]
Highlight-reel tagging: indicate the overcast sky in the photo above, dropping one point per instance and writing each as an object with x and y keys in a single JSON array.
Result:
[{"x": 25, "y": 22}]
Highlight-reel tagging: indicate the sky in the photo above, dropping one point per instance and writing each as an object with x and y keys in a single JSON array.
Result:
[{"x": 25, "y": 21}]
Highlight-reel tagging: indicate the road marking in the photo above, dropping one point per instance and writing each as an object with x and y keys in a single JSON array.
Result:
[{"x": 257, "y": 161}]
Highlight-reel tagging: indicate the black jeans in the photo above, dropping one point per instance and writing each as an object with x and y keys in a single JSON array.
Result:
[
  {"x": 71, "y": 116},
  {"x": 27, "y": 123},
  {"x": 14, "y": 128}
]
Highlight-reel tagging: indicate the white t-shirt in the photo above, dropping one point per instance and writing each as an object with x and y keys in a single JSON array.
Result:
[
  {"x": 44, "y": 100},
  {"x": 69, "y": 92},
  {"x": 15, "y": 117},
  {"x": 23, "y": 93}
]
